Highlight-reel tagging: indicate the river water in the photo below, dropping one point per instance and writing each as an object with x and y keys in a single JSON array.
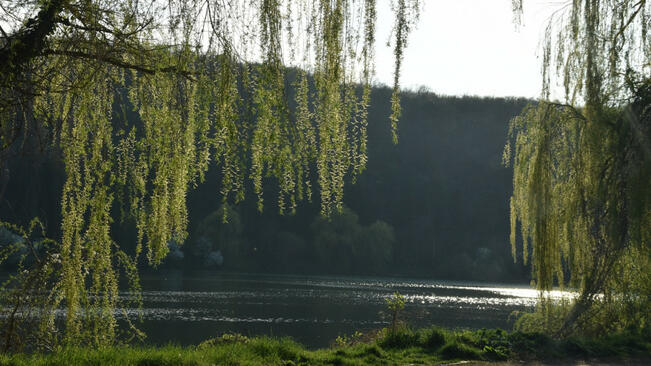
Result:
[{"x": 185, "y": 308}]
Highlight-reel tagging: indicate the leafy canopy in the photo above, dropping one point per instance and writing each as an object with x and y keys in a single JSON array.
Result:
[
  {"x": 139, "y": 97},
  {"x": 581, "y": 169}
]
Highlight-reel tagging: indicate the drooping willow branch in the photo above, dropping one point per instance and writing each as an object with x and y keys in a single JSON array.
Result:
[
  {"x": 145, "y": 69},
  {"x": 200, "y": 94},
  {"x": 580, "y": 167}
]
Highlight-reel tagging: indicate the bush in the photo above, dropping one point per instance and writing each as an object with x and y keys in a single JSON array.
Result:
[
  {"x": 495, "y": 338},
  {"x": 284, "y": 348},
  {"x": 456, "y": 350},
  {"x": 499, "y": 353},
  {"x": 374, "y": 350},
  {"x": 400, "y": 338},
  {"x": 575, "y": 347},
  {"x": 432, "y": 338},
  {"x": 223, "y": 339},
  {"x": 395, "y": 305},
  {"x": 547, "y": 318},
  {"x": 345, "y": 341},
  {"x": 528, "y": 345}
]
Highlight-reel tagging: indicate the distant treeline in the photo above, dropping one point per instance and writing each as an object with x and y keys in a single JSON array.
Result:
[{"x": 435, "y": 204}]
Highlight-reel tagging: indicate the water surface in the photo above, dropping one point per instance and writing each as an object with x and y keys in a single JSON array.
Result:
[{"x": 187, "y": 308}]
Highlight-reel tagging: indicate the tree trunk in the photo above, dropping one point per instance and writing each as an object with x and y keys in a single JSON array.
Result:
[{"x": 30, "y": 39}]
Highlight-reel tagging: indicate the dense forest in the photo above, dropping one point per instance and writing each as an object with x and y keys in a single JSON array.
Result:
[{"x": 435, "y": 204}]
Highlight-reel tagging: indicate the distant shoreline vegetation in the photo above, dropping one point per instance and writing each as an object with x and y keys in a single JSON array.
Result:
[{"x": 435, "y": 205}]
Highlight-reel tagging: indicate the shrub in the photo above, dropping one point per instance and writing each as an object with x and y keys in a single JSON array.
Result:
[
  {"x": 344, "y": 341},
  {"x": 574, "y": 347},
  {"x": 547, "y": 318},
  {"x": 456, "y": 350},
  {"x": 224, "y": 338},
  {"x": 374, "y": 350},
  {"x": 432, "y": 338},
  {"x": 399, "y": 338},
  {"x": 284, "y": 348},
  {"x": 529, "y": 345},
  {"x": 499, "y": 353},
  {"x": 395, "y": 304}
]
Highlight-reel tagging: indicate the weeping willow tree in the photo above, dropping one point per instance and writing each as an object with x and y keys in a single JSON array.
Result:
[
  {"x": 581, "y": 168},
  {"x": 206, "y": 81}
]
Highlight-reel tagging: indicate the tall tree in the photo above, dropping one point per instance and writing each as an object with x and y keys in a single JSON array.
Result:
[
  {"x": 581, "y": 169},
  {"x": 206, "y": 80}
]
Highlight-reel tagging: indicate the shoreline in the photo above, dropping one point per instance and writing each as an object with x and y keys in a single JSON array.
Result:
[{"x": 427, "y": 346}]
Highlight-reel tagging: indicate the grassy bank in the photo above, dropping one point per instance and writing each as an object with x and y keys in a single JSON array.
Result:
[{"x": 426, "y": 346}]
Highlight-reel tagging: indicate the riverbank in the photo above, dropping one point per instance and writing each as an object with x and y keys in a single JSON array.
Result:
[{"x": 426, "y": 347}]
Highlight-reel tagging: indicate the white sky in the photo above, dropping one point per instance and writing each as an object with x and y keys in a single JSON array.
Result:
[{"x": 469, "y": 47}]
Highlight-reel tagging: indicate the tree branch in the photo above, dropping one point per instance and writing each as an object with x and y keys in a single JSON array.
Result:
[
  {"x": 119, "y": 63},
  {"x": 630, "y": 20},
  {"x": 27, "y": 43},
  {"x": 4, "y": 34}
]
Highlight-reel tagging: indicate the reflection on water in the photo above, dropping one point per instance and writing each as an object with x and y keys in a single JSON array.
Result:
[{"x": 187, "y": 309}]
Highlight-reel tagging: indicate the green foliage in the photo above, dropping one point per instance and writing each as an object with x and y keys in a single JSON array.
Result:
[
  {"x": 70, "y": 65},
  {"x": 429, "y": 244},
  {"x": 528, "y": 346},
  {"x": 224, "y": 338},
  {"x": 432, "y": 338},
  {"x": 373, "y": 248},
  {"x": 429, "y": 339},
  {"x": 343, "y": 341},
  {"x": 405, "y": 18},
  {"x": 17, "y": 297},
  {"x": 532, "y": 345},
  {"x": 219, "y": 231},
  {"x": 342, "y": 244},
  {"x": 547, "y": 318},
  {"x": 596, "y": 50},
  {"x": 231, "y": 349},
  {"x": 577, "y": 192},
  {"x": 580, "y": 175},
  {"x": 395, "y": 304},
  {"x": 399, "y": 337},
  {"x": 456, "y": 350},
  {"x": 496, "y": 354},
  {"x": 334, "y": 238},
  {"x": 290, "y": 251}
]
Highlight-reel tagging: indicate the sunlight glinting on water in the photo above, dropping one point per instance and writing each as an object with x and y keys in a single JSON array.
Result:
[
  {"x": 191, "y": 315},
  {"x": 335, "y": 301},
  {"x": 521, "y": 292}
]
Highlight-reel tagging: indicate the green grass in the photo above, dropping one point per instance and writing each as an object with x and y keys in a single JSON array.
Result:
[{"x": 405, "y": 346}]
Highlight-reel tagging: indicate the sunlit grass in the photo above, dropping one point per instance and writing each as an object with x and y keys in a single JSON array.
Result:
[{"x": 426, "y": 347}]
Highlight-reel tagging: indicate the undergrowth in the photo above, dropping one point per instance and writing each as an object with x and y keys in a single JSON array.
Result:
[{"x": 385, "y": 347}]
